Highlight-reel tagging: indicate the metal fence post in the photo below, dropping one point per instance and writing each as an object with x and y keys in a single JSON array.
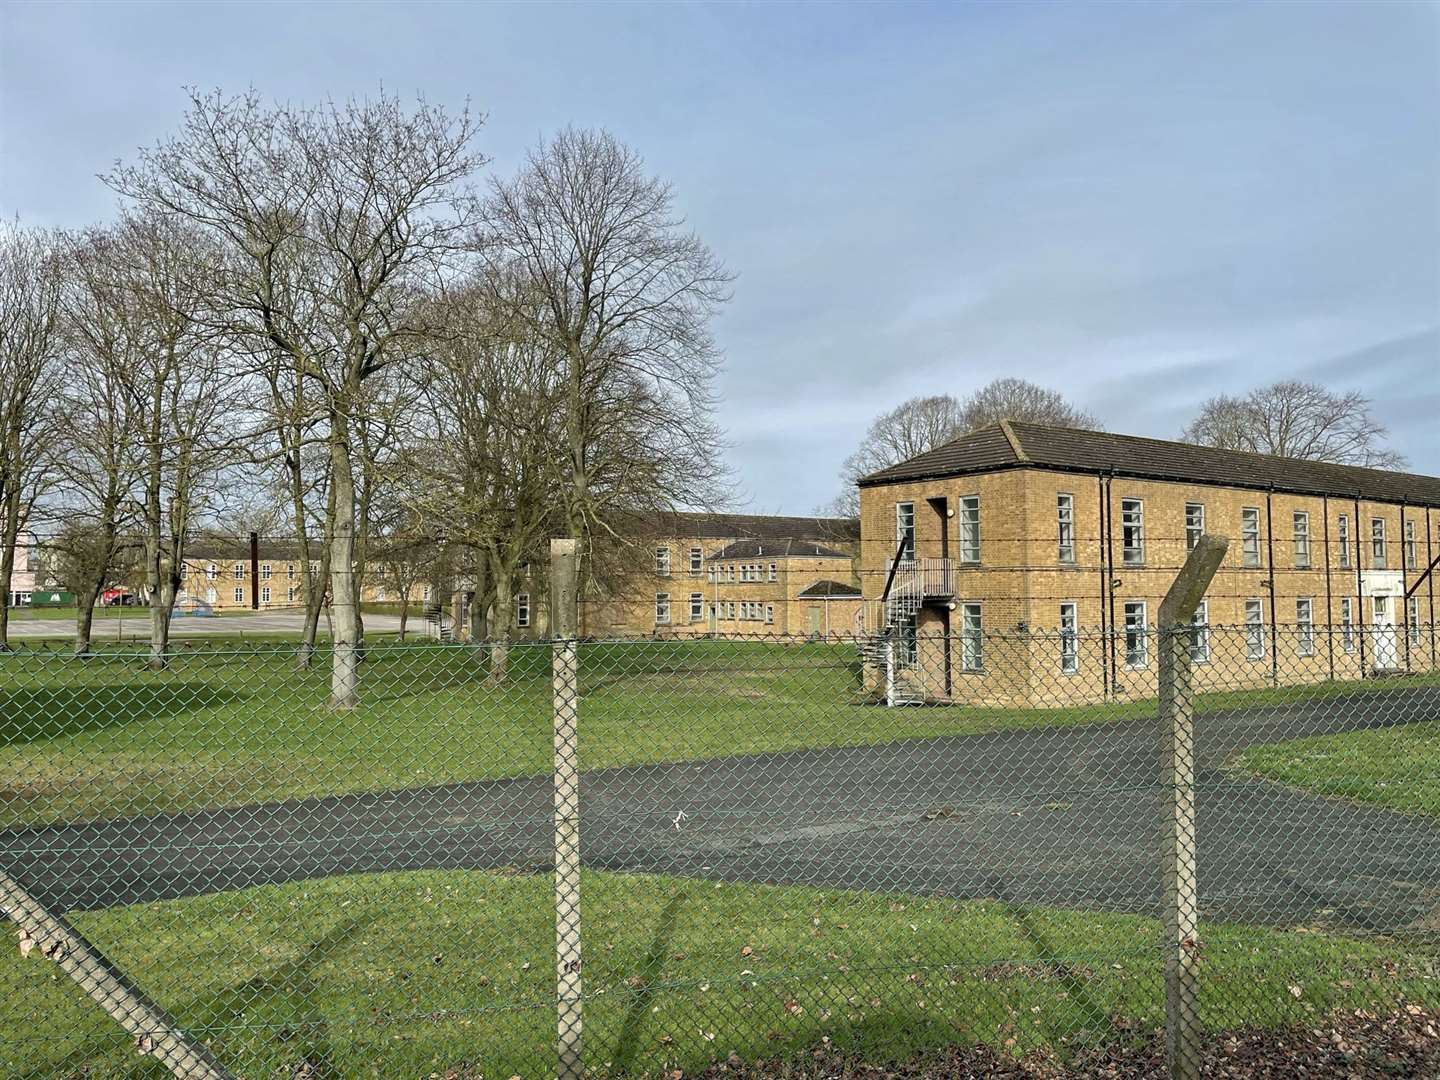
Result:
[
  {"x": 1182, "y": 897},
  {"x": 564, "y": 673}
]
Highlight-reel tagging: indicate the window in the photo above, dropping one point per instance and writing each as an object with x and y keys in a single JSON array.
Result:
[
  {"x": 265, "y": 594},
  {"x": 314, "y": 567},
  {"x": 1412, "y": 620},
  {"x": 730, "y": 571},
  {"x": 290, "y": 571},
  {"x": 239, "y": 571},
  {"x": 265, "y": 571},
  {"x": 1069, "y": 639},
  {"x": 1377, "y": 543},
  {"x": 211, "y": 572},
  {"x": 211, "y": 596},
  {"x": 1410, "y": 546},
  {"x": 970, "y": 529},
  {"x": 1137, "y": 645},
  {"x": 774, "y": 571},
  {"x": 769, "y": 613},
  {"x": 730, "y": 610},
  {"x": 1200, "y": 634},
  {"x": 1342, "y": 535},
  {"x": 1132, "y": 531},
  {"x": 380, "y": 594},
  {"x": 290, "y": 595},
  {"x": 697, "y": 561},
  {"x": 1194, "y": 524},
  {"x": 662, "y": 561},
  {"x": 1065, "y": 522},
  {"x": 1250, "y": 535},
  {"x": 1254, "y": 630},
  {"x": 239, "y": 594},
  {"x": 697, "y": 606},
  {"x": 1305, "y": 626},
  {"x": 1302, "y": 539},
  {"x": 662, "y": 607},
  {"x": 905, "y": 530},
  {"x": 522, "y": 609},
  {"x": 972, "y": 638},
  {"x": 1347, "y": 624}
]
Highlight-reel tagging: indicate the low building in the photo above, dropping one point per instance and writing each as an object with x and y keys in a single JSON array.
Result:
[
  {"x": 1025, "y": 564},
  {"x": 830, "y": 608},
  {"x": 25, "y": 578},
  {"x": 723, "y": 573}
]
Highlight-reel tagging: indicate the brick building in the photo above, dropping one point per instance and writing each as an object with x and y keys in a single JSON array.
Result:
[
  {"x": 1032, "y": 561},
  {"x": 726, "y": 573}
]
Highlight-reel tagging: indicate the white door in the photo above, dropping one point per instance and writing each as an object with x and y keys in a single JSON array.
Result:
[{"x": 1387, "y": 656}]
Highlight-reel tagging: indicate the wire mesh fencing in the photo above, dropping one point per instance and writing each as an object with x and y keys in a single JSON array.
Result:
[{"x": 877, "y": 846}]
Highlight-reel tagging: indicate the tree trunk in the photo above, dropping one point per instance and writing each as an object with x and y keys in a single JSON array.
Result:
[
  {"x": 9, "y": 538},
  {"x": 344, "y": 591},
  {"x": 481, "y": 603},
  {"x": 504, "y": 616},
  {"x": 404, "y": 610},
  {"x": 85, "y": 601}
]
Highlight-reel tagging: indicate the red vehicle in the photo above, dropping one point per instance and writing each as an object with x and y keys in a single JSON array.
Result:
[{"x": 120, "y": 597}]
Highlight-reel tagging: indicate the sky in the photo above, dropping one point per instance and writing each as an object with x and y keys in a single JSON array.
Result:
[{"x": 1138, "y": 205}]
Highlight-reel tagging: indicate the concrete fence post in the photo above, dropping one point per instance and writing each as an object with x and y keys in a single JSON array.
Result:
[
  {"x": 565, "y": 680},
  {"x": 1177, "y": 720}
]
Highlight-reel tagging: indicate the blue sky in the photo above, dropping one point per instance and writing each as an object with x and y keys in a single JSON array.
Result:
[{"x": 1141, "y": 205}]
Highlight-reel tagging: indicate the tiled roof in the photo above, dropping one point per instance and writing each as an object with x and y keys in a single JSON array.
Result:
[
  {"x": 706, "y": 526},
  {"x": 1078, "y": 450},
  {"x": 833, "y": 589},
  {"x": 776, "y": 549}
]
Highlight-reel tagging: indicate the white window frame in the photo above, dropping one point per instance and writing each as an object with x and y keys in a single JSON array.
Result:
[
  {"x": 1300, "y": 523},
  {"x": 697, "y": 607},
  {"x": 970, "y": 529},
  {"x": 1194, "y": 524},
  {"x": 265, "y": 594},
  {"x": 1254, "y": 629},
  {"x": 972, "y": 637},
  {"x": 1250, "y": 536},
  {"x": 770, "y": 613},
  {"x": 1132, "y": 531},
  {"x": 239, "y": 594},
  {"x": 1412, "y": 620},
  {"x": 1069, "y": 637},
  {"x": 1410, "y": 551},
  {"x": 290, "y": 594},
  {"x": 522, "y": 610},
  {"x": 774, "y": 572},
  {"x": 697, "y": 561},
  {"x": 1200, "y": 633},
  {"x": 238, "y": 571},
  {"x": 662, "y": 609},
  {"x": 1347, "y": 624},
  {"x": 1065, "y": 527},
  {"x": 662, "y": 562},
  {"x": 1378, "y": 544},
  {"x": 1304, "y": 626},
  {"x": 212, "y": 572},
  {"x": 265, "y": 571},
  {"x": 1342, "y": 534},
  {"x": 905, "y": 530},
  {"x": 1137, "y": 635},
  {"x": 290, "y": 571}
]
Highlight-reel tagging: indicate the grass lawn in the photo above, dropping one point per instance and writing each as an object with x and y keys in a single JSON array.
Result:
[
  {"x": 409, "y": 974},
  {"x": 1397, "y": 767},
  {"x": 228, "y": 724}
]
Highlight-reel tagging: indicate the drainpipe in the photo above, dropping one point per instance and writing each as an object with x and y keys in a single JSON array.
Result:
[
  {"x": 1405, "y": 599},
  {"x": 1362, "y": 626},
  {"x": 1108, "y": 533},
  {"x": 1274, "y": 615},
  {"x": 1329, "y": 601},
  {"x": 1104, "y": 580}
]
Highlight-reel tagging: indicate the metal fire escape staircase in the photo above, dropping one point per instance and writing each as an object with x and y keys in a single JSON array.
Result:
[{"x": 884, "y": 645}]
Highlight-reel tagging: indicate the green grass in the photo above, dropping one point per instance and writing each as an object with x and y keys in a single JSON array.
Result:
[
  {"x": 1396, "y": 767},
  {"x": 232, "y": 723},
  {"x": 411, "y": 974}
]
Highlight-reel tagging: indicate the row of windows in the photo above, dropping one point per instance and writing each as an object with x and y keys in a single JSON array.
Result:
[
  {"x": 1138, "y": 631},
  {"x": 1132, "y": 533},
  {"x": 733, "y": 610},
  {"x": 722, "y": 572},
  {"x": 240, "y": 569}
]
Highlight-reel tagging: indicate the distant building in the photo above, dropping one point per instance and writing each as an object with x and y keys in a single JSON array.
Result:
[{"x": 26, "y": 578}]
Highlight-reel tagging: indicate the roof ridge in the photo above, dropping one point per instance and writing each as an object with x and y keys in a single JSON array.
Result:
[{"x": 1013, "y": 440}]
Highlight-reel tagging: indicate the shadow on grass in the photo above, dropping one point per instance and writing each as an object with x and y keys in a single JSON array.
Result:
[
  {"x": 53, "y": 712},
  {"x": 632, "y": 1028}
]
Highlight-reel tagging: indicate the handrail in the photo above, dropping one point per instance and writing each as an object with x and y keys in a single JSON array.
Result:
[{"x": 894, "y": 565}]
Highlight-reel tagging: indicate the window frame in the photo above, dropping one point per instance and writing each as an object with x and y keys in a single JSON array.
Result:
[
  {"x": 1300, "y": 527},
  {"x": 522, "y": 610},
  {"x": 905, "y": 532},
  {"x": 972, "y": 637},
  {"x": 1065, "y": 527},
  {"x": 1347, "y": 624},
  {"x": 265, "y": 594},
  {"x": 1137, "y": 634},
  {"x": 774, "y": 574},
  {"x": 238, "y": 571},
  {"x": 1305, "y": 626},
  {"x": 970, "y": 537},
  {"x": 662, "y": 561},
  {"x": 1069, "y": 637},
  {"x": 1194, "y": 524},
  {"x": 239, "y": 594},
  {"x": 1412, "y": 620},
  {"x": 662, "y": 609},
  {"x": 1408, "y": 541},
  {"x": 1200, "y": 633},
  {"x": 1342, "y": 535},
  {"x": 697, "y": 561},
  {"x": 697, "y": 607},
  {"x": 1132, "y": 520},
  {"x": 1378, "y": 544},
  {"x": 1250, "y": 537},
  {"x": 1254, "y": 628}
]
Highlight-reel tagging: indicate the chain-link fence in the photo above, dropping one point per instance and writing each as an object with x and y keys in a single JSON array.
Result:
[{"x": 872, "y": 847}]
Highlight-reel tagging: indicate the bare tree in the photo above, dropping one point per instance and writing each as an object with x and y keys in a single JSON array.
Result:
[
  {"x": 30, "y": 283},
  {"x": 923, "y": 423},
  {"x": 1298, "y": 420},
  {"x": 332, "y": 219},
  {"x": 626, "y": 295}
]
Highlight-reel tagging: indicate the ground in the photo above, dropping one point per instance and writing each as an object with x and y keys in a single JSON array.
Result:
[
  {"x": 133, "y": 624},
  {"x": 903, "y": 879}
]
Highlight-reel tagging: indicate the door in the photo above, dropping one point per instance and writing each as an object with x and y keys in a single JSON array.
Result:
[
  {"x": 815, "y": 630},
  {"x": 1387, "y": 656}
]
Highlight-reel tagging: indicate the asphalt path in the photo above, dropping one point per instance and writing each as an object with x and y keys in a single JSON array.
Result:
[{"x": 1068, "y": 816}]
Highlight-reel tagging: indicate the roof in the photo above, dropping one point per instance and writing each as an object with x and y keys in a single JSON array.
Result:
[
  {"x": 777, "y": 549},
  {"x": 237, "y": 549},
  {"x": 1020, "y": 445},
  {"x": 721, "y": 526},
  {"x": 831, "y": 590}
]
